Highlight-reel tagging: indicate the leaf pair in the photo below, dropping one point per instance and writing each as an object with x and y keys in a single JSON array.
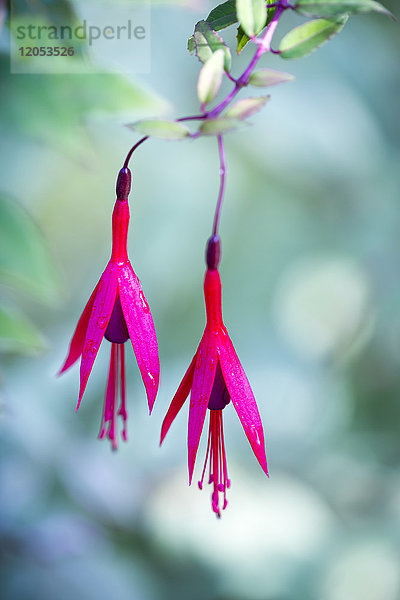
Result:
[
  {"x": 235, "y": 117},
  {"x": 171, "y": 130}
]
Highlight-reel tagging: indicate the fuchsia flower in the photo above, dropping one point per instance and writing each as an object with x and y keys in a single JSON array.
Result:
[
  {"x": 214, "y": 377},
  {"x": 117, "y": 310}
]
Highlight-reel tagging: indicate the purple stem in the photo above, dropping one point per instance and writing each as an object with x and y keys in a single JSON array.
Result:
[
  {"x": 264, "y": 46},
  {"x": 132, "y": 150},
  {"x": 229, "y": 76},
  {"x": 222, "y": 171}
]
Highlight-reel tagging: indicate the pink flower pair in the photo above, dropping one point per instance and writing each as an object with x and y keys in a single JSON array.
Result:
[{"x": 118, "y": 311}]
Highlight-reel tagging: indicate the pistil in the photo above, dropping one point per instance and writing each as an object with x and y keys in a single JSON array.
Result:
[
  {"x": 218, "y": 471},
  {"x": 215, "y": 456},
  {"x": 109, "y": 420}
]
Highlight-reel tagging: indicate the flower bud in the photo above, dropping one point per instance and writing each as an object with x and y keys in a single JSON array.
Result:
[
  {"x": 123, "y": 183},
  {"x": 213, "y": 252}
]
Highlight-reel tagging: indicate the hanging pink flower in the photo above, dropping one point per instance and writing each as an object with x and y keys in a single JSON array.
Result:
[
  {"x": 117, "y": 310},
  {"x": 214, "y": 378}
]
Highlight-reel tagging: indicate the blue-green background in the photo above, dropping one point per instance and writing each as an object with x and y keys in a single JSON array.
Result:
[{"x": 311, "y": 290}]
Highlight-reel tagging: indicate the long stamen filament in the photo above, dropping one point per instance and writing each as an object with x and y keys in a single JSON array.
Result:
[
  {"x": 110, "y": 413},
  {"x": 122, "y": 409},
  {"x": 216, "y": 458},
  {"x": 205, "y": 462}
]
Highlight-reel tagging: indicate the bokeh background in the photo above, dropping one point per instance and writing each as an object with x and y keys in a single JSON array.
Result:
[{"x": 311, "y": 282}]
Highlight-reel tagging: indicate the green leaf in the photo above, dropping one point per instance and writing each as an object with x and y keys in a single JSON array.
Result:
[
  {"x": 307, "y": 37},
  {"x": 165, "y": 130},
  {"x": 25, "y": 260},
  {"x": 267, "y": 77},
  {"x": 223, "y": 15},
  {"x": 210, "y": 77},
  {"x": 242, "y": 39},
  {"x": 252, "y": 15},
  {"x": 17, "y": 334},
  {"x": 335, "y": 8},
  {"x": 207, "y": 41},
  {"x": 242, "y": 109},
  {"x": 219, "y": 126}
]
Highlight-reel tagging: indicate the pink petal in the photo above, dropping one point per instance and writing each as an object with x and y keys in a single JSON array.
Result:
[
  {"x": 141, "y": 330},
  {"x": 242, "y": 397},
  {"x": 98, "y": 321},
  {"x": 78, "y": 339},
  {"x": 178, "y": 400},
  {"x": 203, "y": 380}
]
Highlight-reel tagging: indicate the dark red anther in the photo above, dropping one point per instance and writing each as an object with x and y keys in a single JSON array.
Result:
[
  {"x": 213, "y": 252},
  {"x": 123, "y": 183}
]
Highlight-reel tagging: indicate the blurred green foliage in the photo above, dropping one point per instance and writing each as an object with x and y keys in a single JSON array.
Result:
[{"x": 25, "y": 262}]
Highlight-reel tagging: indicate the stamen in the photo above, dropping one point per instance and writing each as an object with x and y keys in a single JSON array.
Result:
[
  {"x": 112, "y": 433},
  {"x": 109, "y": 401},
  {"x": 122, "y": 407},
  {"x": 117, "y": 367},
  {"x": 218, "y": 472},
  {"x": 205, "y": 462}
]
